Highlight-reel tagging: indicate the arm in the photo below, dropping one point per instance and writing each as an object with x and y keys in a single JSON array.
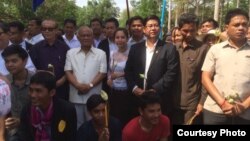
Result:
[
  {"x": 2, "y": 128},
  {"x": 170, "y": 75},
  {"x": 72, "y": 79},
  {"x": 215, "y": 94},
  {"x": 203, "y": 98},
  {"x": 98, "y": 78},
  {"x": 240, "y": 107},
  {"x": 129, "y": 73},
  {"x": 61, "y": 81}
]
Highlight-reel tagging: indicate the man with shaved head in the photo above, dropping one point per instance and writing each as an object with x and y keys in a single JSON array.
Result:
[{"x": 85, "y": 69}]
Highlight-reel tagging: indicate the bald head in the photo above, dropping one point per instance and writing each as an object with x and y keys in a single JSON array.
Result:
[
  {"x": 85, "y": 36},
  {"x": 84, "y": 29}
]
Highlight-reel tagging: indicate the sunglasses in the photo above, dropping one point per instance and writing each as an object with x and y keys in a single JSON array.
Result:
[{"x": 50, "y": 29}]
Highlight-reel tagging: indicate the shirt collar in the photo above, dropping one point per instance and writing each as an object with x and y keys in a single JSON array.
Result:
[
  {"x": 27, "y": 81},
  {"x": 227, "y": 44},
  {"x": 131, "y": 39},
  {"x": 73, "y": 39},
  {"x": 92, "y": 50},
  {"x": 151, "y": 49}
]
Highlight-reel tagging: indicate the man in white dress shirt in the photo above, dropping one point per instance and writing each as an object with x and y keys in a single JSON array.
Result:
[
  {"x": 34, "y": 30},
  {"x": 85, "y": 69},
  {"x": 69, "y": 37}
]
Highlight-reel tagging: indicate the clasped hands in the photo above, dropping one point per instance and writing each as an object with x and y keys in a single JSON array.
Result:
[{"x": 234, "y": 109}]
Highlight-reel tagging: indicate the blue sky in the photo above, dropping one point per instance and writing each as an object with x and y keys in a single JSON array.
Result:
[{"x": 120, "y": 3}]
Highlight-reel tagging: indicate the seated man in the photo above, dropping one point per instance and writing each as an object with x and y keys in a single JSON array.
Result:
[
  {"x": 94, "y": 129},
  {"x": 46, "y": 118},
  {"x": 151, "y": 125},
  {"x": 4, "y": 104}
]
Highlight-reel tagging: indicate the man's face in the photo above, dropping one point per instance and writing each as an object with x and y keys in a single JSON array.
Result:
[
  {"x": 151, "y": 113},
  {"x": 69, "y": 29},
  {"x": 49, "y": 30},
  {"x": 237, "y": 28},
  {"x": 188, "y": 32},
  {"x": 110, "y": 29},
  {"x": 96, "y": 27},
  {"x": 205, "y": 27},
  {"x": 14, "y": 63},
  {"x": 4, "y": 39},
  {"x": 98, "y": 114},
  {"x": 40, "y": 95},
  {"x": 16, "y": 36},
  {"x": 136, "y": 28},
  {"x": 85, "y": 37},
  {"x": 33, "y": 28},
  {"x": 152, "y": 29}
]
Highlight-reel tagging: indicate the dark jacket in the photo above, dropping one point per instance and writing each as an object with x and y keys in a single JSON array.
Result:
[
  {"x": 162, "y": 70},
  {"x": 63, "y": 111},
  {"x": 161, "y": 74}
]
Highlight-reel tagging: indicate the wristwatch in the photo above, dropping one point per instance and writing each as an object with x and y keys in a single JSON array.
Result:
[{"x": 91, "y": 85}]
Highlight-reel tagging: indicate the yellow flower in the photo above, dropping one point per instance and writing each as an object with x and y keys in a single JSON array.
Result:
[
  {"x": 142, "y": 76},
  {"x": 104, "y": 95}
]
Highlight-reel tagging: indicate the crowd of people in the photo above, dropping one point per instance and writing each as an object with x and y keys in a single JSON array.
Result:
[{"x": 51, "y": 80}]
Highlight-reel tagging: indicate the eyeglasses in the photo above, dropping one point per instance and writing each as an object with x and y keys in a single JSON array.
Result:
[
  {"x": 50, "y": 29},
  {"x": 153, "y": 25}
]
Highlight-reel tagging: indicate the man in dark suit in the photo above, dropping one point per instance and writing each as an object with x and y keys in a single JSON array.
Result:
[
  {"x": 46, "y": 117},
  {"x": 17, "y": 35},
  {"x": 108, "y": 45},
  {"x": 152, "y": 65}
]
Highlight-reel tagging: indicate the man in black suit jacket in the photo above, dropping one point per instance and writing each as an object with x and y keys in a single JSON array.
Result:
[
  {"x": 46, "y": 117},
  {"x": 152, "y": 65},
  {"x": 108, "y": 45}
]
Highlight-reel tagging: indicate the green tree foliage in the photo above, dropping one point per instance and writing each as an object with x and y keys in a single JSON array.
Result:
[
  {"x": 102, "y": 9},
  {"x": 22, "y": 10},
  {"x": 145, "y": 8}
]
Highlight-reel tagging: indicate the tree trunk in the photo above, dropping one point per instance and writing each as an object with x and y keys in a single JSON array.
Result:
[
  {"x": 216, "y": 10},
  {"x": 237, "y": 3}
]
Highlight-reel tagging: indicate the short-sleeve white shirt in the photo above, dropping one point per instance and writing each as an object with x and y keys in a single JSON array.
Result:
[{"x": 85, "y": 67}]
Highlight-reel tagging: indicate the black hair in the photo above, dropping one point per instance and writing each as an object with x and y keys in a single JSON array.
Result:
[
  {"x": 132, "y": 19},
  {"x": 17, "y": 24},
  {"x": 93, "y": 101},
  {"x": 96, "y": 20},
  {"x": 188, "y": 18},
  {"x": 211, "y": 20},
  {"x": 148, "y": 98},
  {"x": 37, "y": 20},
  {"x": 44, "y": 78},
  {"x": 15, "y": 49},
  {"x": 4, "y": 27},
  {"x": 152, "y": 17},
  {"x": 73, "y": 21},
  {"x": 124, "y": 30},
  {"x": 113, "y": 20},
  {"x": 235, "y": 12}
]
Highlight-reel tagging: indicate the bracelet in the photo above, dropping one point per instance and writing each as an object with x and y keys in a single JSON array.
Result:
[{"x": 223, "y": 103}]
